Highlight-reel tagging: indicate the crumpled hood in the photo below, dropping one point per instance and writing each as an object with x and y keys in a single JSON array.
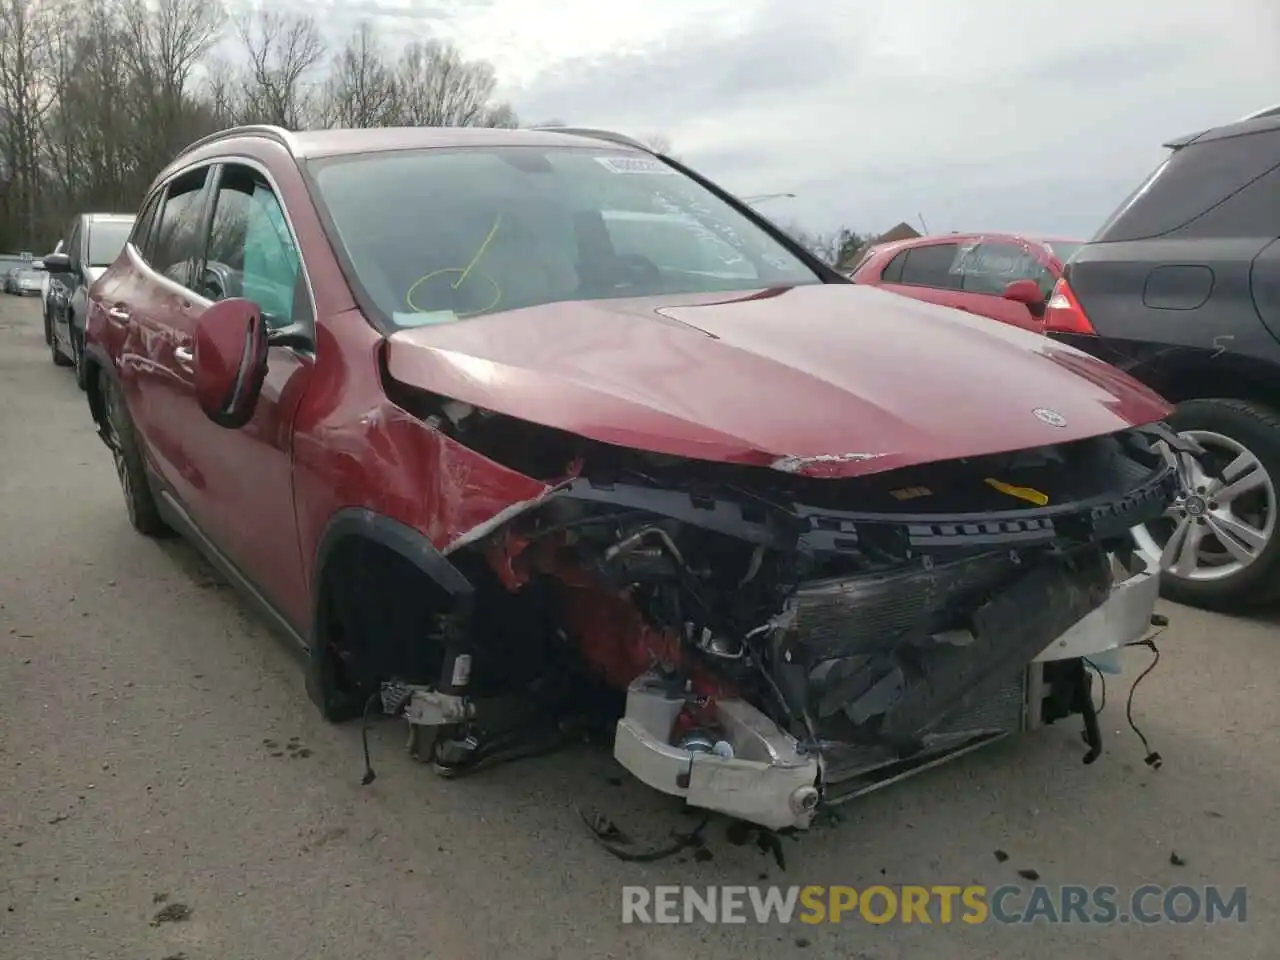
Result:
[{"x": 823, "y": 380}]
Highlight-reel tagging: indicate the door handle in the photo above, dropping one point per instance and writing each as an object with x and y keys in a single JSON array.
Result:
[
  {"x": 118, "y": 314},
  {"x": 184, "y": 356}
]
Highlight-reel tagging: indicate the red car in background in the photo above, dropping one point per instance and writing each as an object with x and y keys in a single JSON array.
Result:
[{"x": 997, "y": 275}]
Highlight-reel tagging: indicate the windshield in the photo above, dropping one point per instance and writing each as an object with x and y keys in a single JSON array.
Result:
[
  {"x": 439, "y": 235},
  {"x": 106, "y": 240},
  {"x": 1063, "y": 251}
]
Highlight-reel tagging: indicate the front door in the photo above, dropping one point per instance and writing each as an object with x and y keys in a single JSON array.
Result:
[
  {"x": 245, "y": 504},
  {"x": 988, "y": 267}
]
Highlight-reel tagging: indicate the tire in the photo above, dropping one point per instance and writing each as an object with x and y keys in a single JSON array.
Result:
[
  {"x": 48, "y": 329},
  {"x": 130, "y": 469},
  {"x": 60, "y": 359},
  {"x": 1227, "y": 572},
  {"x": 77, "y": 361},
  {"x": 337, "y": 698}
]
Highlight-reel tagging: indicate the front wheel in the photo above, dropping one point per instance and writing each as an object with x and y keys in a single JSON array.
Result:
[
  {"x": 1217, "y": 547},
  {"x": 130, "y": 469},
  {"x": 77, "y": 361},
  {"x": 55, "y": 352}
]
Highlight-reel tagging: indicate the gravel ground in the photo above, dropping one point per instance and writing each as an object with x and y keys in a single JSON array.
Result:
[{"x": 168, "y": 791}]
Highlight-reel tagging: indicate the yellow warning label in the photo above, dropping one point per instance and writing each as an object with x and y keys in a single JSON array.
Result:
[
  {"x": 910, "y": 493},
  {"x": 1022, "y": 493}
]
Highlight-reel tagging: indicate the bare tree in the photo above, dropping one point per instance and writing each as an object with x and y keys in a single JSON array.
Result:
[
  {"x": 833, "y": 248},
  {"x": 166, "y": 40},
  {"x": 26, "y": 38},
  {"x": 657, "y": 142},
  {"x": 361, "y": 91},
  {"x": 96, "y": 96},
  {"x": 436, "y": 87},
  {"x": 282, "y": 49}
]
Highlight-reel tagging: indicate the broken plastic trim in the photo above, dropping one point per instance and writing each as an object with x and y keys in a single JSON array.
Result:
[
  {"x": 836, "y": 531},
  {"x": 799, "y": 464}
]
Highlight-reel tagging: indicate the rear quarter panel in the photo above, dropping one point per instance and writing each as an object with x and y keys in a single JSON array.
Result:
[{"x": 1178, "y": 294}]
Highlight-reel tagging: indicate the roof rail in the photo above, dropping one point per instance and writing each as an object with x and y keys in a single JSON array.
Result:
[
  {"x": 278, "y": 134},
  {"x": 594, "y": 134},
  {"x": 1273, "y": 111},
  {"x": 1266, "y": 113}
]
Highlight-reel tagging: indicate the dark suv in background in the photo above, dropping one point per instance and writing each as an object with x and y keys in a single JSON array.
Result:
[
  {"x": 1181, "y": 289},
  {"x": 91, "y": 243}
]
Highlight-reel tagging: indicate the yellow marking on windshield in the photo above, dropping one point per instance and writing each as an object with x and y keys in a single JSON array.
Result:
[
  {"x": 463, "y": 273},
  {"x": 480, "y": 253}
]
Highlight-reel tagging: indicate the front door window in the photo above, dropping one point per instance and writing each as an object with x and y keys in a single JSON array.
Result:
[{"x": 251, "y": 253}]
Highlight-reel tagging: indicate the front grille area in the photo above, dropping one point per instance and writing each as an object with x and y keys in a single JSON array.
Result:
[
  {"x": 1001, "y": 711},
  {"x": 848, "y": 616},
  {"x": 894, "y": 661},
  {"x": 850, "y": 770}
]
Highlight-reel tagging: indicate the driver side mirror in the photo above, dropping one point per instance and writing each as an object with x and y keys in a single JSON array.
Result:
[
  {"x": 1026, "y": 292},
  {"x": 230, "y": 361},
  {"x": 55, "y": 263}
]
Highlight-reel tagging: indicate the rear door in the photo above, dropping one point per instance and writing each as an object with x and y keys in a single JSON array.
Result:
[
  {"x": 162, "y": 309},
  {"x": 1188, "y": 260},
  {"x": 924, "y": 271}
]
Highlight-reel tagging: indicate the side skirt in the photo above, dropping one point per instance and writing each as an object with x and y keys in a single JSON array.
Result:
[{"x": 178, "y": 518}]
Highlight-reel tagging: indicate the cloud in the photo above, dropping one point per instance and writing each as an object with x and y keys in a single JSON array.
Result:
[
  {"x": 989, "y": 114},
  {"x": 994, "y": 114}
]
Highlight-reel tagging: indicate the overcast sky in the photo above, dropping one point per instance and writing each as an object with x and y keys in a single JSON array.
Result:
[{"x": 1020, "y": 115}]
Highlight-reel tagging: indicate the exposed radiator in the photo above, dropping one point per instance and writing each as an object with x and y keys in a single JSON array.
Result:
[{"x": 847, "y": 616}]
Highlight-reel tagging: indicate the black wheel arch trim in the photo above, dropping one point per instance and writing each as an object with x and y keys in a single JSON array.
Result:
[
  {"x": 402, "y": 539},
  {"x": 94, "y": 357}
]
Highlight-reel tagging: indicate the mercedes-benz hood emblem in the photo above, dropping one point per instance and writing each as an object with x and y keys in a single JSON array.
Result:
[{"x": 1052, "y": 417}]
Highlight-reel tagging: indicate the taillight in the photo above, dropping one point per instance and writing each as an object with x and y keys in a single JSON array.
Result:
[{"x": 1063, "y": 313}]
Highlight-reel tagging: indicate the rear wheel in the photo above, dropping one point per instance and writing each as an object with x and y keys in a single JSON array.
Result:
[
  {"x": 1218, "y": 546},
  {"x": 132, "y": 473},
  {"x": 60, "y": 359},
  {"x": 48, "y": 327}
]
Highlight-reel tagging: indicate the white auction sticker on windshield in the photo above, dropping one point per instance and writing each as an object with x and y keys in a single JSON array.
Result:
[
  {"x": 633, "y": 165},
  {"x": 424, "y": 318}
]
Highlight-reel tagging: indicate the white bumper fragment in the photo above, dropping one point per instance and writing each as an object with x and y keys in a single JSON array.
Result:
[
  {"x": 1123, "y": 618},
  {"x": 769, "y": 779}
]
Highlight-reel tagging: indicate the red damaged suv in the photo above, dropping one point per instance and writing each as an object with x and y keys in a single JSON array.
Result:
[{"x": 488, "y": 420}]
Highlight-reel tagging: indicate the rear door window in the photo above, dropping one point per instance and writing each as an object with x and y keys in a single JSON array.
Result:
[
  {"x": 892, "y": 273},
  {"x": 74, "y": 244},
  {"x": 1191, "y": 182},
  {"x": 177, "y": 241},
  {"x": 932, "y": 266},
  {"x": 142, "y": 227}
]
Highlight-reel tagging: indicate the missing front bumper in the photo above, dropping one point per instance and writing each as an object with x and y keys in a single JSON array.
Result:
[{"x": 771, "y": 780}]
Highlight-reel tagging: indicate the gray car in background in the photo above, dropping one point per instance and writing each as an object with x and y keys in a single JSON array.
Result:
[
  {"x": 91, "y": 243},
  {"x": 23, "y": 281}
]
